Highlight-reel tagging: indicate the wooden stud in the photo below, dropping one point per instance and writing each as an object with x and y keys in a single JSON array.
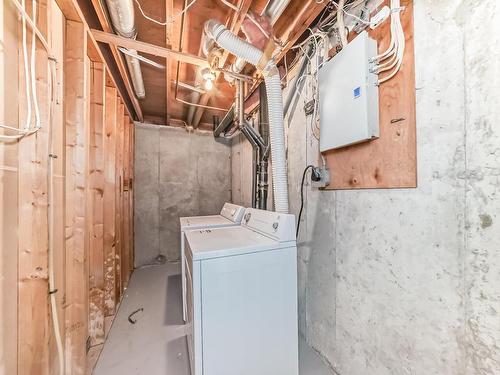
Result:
[
  {"x": 56, "y": 42},
  {"x": 10, "y": 62},
  {"x": 76, "y": 65},
  {"x": 152, "y": 49},
  {"x": 118, "y": 198},
  {"x": 110, "y": 106},
  {"x": 131, "y": 194},
  {"x": 33, "y": 308},
  {"x": 96, "y": 215},
  {"x": 125, "y": 266}
]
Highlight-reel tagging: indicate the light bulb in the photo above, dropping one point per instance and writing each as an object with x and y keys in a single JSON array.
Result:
[{"x": 209, "y": 84}]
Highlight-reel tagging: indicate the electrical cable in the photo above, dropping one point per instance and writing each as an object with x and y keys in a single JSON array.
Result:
[
  {"x": 33, "y": 71},
  {"x": 171, "y": 19},
  {"x": 343, "y": 10},
  {"x": 50, "y": 221},
  {"x": 302, "y": 198},
  {"x": 26, "y": 19},
  {"x": 26, "y": 72}
]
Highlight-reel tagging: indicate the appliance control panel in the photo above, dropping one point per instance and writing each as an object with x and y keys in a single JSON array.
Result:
[
  {"x": 232, "y": 212},
  {"x": 278, "y": 226}
]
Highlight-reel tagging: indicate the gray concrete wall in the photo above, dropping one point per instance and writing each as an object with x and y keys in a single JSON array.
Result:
[
  {"x": 408, "y": 281},
  {"x": 176, "y": 174}
]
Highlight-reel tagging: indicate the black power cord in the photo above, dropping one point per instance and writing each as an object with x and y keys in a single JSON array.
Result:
[{"x": 316, "y": 176}]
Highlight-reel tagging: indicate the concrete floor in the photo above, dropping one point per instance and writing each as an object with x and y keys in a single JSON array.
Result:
[{"x": 156, "y": 344}]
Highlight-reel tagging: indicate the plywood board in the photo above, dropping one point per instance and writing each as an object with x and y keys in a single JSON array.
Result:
[{"x": 389, "y": 161}]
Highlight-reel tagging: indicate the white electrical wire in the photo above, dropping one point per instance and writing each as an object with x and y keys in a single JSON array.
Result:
[
  {"x": 26, "y": 19},
  {"x": 392, "y": 58},
  {"x": 33, "y": 70},
  {"x": 26, "y": 72},
  {"x": 170, "y": 19},
  {"x": 342, "y": 9}
]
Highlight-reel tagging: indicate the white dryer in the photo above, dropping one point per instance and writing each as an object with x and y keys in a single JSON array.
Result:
[
  {"x": 230, "y": 215},
  {"x": 242, "y": 297}
]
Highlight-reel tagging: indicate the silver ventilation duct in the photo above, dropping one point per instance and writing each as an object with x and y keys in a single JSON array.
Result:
[{"x": 122, "y": 17}]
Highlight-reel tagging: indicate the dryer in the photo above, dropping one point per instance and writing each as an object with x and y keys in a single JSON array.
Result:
[
  {"x": 230, "y": 215},
  {"x": 242, "y": 297}
]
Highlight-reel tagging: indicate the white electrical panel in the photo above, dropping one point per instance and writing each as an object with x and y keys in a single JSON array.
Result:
[{"x": 349, "y": 108}]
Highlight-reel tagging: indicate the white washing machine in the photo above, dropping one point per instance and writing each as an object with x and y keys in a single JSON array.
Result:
[
  {"x": 242, "y": 297},
  {"x": 230, "y": 215}
]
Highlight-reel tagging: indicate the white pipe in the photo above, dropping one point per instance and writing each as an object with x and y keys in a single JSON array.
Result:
[
  {"x": 122, "y": 17},
  {"x": 227, "y": 40}
]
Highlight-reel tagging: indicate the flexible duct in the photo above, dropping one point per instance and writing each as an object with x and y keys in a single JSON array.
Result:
[
  {"x": 122, "y": 17},
  {"x": 227, "y": 40}
]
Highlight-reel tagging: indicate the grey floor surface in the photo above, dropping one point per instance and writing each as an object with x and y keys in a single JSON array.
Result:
[{"x": 156, "y": 344}]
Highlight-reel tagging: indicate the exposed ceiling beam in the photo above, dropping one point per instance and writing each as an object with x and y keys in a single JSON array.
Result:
[
  {"x": 151, "y": 49},
  {"x": 118, "y": 57},
  {"x": 306, "y": 12}
]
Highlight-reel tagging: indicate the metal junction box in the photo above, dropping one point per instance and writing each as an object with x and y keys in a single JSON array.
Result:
[{"x": 349, "y": 104}]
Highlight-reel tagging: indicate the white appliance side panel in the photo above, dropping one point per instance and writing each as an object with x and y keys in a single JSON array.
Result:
[
  {"x": 194, "y": 318},
  {"x": 249, "y": 306},
  {"x": 183, "y": 275}
]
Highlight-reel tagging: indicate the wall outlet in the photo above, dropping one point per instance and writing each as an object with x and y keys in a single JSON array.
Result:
[{"x": 321, "y": 177}]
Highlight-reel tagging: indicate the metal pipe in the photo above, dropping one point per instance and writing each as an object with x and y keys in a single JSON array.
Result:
[{"x": 262, "y": 171}]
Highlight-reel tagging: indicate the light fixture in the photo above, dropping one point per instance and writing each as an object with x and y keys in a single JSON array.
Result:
[
  {"x": 209, "y": 84},
  {"x": 209, "y": 78}
]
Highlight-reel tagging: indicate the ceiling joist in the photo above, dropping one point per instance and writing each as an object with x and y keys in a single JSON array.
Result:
[{"x": 149, "y": 48}]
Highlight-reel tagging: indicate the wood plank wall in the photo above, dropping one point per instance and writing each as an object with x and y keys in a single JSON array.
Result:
[{"x": 84, "y": 150}]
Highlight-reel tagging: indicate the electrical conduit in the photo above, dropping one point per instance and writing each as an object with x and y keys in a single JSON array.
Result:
[{"x": 227, "y": 40}]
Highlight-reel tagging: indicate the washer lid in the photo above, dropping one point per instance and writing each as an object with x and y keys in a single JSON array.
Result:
[
  {"x": 196, "y": 222},
  {"x": 229, "y": 241}
]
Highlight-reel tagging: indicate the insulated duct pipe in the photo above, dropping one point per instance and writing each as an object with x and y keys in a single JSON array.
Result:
[
  {"x": 122, "y": 17},
  {"x": 227, "y": 40}
]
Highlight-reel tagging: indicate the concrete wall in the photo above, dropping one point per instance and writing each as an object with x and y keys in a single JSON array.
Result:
[
  {"x": 176, "y": 174},
  {"x": 408, "y": 281}
]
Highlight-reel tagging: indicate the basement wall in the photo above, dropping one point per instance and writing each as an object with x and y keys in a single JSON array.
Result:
[
  {"x": 407, "y": 281},
  {"x": 177, "y": 174}
]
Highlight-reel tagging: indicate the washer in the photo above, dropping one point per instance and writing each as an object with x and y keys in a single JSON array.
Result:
[
  {"x": 230, "y": 215},
  {"x": 242, "y": 297}
]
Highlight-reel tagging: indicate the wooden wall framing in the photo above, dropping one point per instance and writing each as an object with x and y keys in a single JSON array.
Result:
[
  {"x": 391, "y": 160},
  {"x": 89, "y": 134}
]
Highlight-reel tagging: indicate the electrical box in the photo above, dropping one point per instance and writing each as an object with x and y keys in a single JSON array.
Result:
[{"x": 349, "y": 105}]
